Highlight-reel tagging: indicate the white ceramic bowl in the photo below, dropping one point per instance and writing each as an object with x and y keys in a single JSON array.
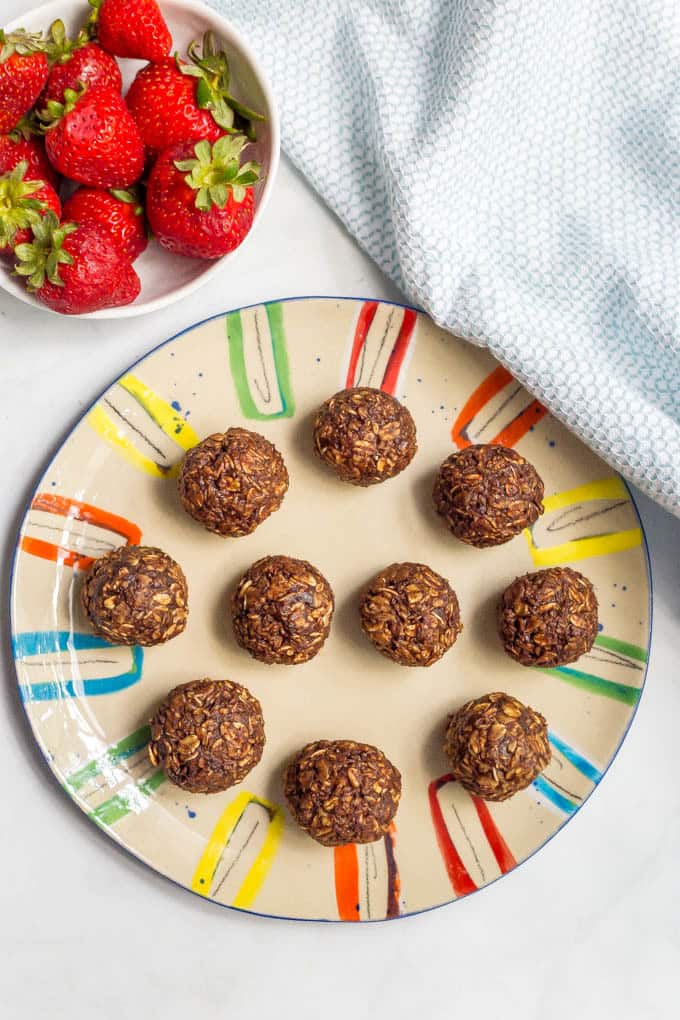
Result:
[{"x": 165, "y": 277}]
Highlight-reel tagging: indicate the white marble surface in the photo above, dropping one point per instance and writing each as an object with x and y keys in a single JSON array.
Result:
[{"x": 588, "y": 928}]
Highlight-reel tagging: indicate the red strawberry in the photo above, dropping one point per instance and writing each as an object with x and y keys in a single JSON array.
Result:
[
  {"x": 23, "y": 73},
  {"x": 15, "y": 148},
  {"x": 132, "y": 28},
  {"x": 162, "y": 101},
  {"x": 119, "y": 212},
  {"x": 75, "y": 269},
  {"x": 77, "y": 62},
  {"x": 92, "y": 138},
  {"x": 199, "y": 198},
  {"x": 22, "y": 202},
  {"x": 173, "y": 101}
]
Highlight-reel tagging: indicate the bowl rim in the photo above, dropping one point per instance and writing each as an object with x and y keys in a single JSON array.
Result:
[{"x": 233, "y": 39}]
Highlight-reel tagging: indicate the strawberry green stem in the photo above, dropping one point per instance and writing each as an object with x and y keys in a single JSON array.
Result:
[
  {"x": 90, "y": 27},
  {"x": 217, "y": 172},
  {"x": 20, "y": 41},
  {"x": 130, "y": 196},
  {"x": 26, "y": 128},
  {"x": 210, "y": 66},
  {"x": 40, "y": 259},
  {"x": 17, "y": 209},
  {"x": 59, "y": 47},
  {"x": 54, "y": 111}
]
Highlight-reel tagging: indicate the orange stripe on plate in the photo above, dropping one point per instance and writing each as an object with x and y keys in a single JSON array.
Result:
[
  {"x": 487, "y": 389},
  {"x": 346, "y": 863},
  {"x": 63, "y": 506}
]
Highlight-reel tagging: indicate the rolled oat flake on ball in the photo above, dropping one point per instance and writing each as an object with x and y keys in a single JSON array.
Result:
[
  {"x": 207, "y": 735},
  {"x": 487, "y": 494},
  {"x": 365, "y": 435},
  {"x": 136, "y": 595},
  {"x": 496, "y": 746},
  {"x": 548, "y": 618},
  {"x": 342, "y": 791},
  {"x": 232, "y": 481}
]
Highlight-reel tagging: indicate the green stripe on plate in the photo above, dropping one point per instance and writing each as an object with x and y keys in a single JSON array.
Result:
[
  {"x": 622, "y": 647},
  {"x": 125, "y": 748},
  {"x": 595, "y": 684},
  {"x": 120, "y": 805}
]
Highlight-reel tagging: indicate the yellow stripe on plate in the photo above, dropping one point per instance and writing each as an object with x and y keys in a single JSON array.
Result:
[
  {"x": 219, "y": 839},
  {"x": 165, "y": 416},
  {"x": 605, "y": 488},
  {"x": 595, "y": 545},
  {"x": 161, "y": 413}
]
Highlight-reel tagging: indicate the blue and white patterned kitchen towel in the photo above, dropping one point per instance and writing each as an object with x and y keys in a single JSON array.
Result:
[{"x": 513, "y": 166}]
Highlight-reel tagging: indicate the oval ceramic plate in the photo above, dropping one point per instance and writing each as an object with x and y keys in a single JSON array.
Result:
[{"x": 112, "y": 482}]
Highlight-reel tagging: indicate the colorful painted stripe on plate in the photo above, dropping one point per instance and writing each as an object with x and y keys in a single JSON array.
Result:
[
  {"x": 144, "y": 429},
  {"x": 569, "y": 778},
  {"x": 596, "y": 519},
  {"x": 471, "y": 845},
  {"x": 498, "y": 411},
  {"x": 81, "y": 665},
  {"x": 72, "y": 533},
  {"x": 240, "y": 851},
  {"x": 122, "y": 751},
  {"x": 117, "y": 782},
  {"x": 367, "y": 882},
  {"x": 613, "y": 659},
  {"x": 258, "y": 358},
  {"x": 381, "y": 343}
]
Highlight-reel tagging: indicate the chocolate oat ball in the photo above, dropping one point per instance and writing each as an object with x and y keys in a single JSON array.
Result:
[
  {"x": 207, "y": 735},
  {"x": 496, "y": 746},
  {"x": 136, "y": 595},
  {"x": 365, "y": 435},
  {"x": 410, "y": 613},
  {"x": 282, "y": 610},
  {"x": 487, "y": 494},
  {"x": 232, "y": 481},
  {"x": 340, "y": 791},
  {"x": 548, "y": 618}
]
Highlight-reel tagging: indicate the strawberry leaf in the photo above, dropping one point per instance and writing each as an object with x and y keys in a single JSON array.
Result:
[
  {"x": 124, "y": 195},
  {"x": 189, "y": 69},
  {"x": 243, "y": 110},
  {"x": 248, "y": 177},
  {"x": 216, "y": 172},
  {"x": 40, "y": 260},
  {"x": 27, "y": 127},
  {"x": 203, "y": 201},
  {"x": 219, "y": 195},
  {"x": 210, "y": 66},
  {"x": 59, "y": 47},
  {"x": 54, "y": 111},
  {"x": 21, "y": 42},
  {"x": 90, "y": 28},
  {"x": 223, "y": 114},
  {"x": 228, "y": 148},
  {"x": 18, "y": 210},
  {"x": 204, "y": 96},
  {"x": 203, "y": 153}
]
